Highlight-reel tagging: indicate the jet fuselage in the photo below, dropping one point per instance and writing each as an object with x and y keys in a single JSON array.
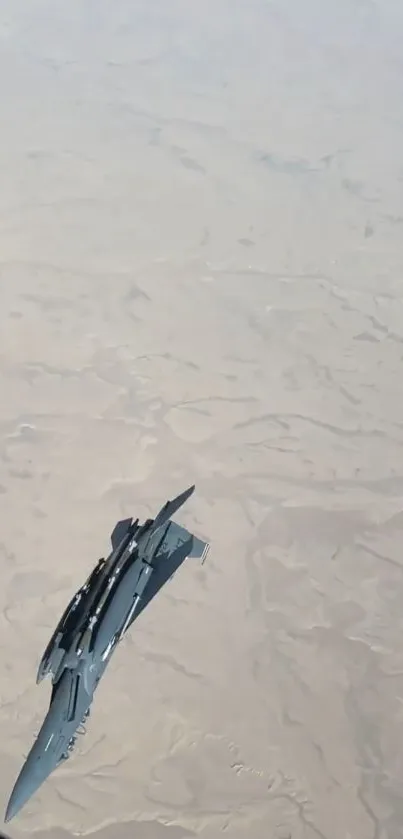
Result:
[{"x": 142, "y": 559}]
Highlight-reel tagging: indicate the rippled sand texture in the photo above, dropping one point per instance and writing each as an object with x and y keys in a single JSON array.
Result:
[{"x": 201, "y": 280}]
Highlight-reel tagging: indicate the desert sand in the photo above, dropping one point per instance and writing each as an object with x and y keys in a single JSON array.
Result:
[{"x": 201, "y": 280}]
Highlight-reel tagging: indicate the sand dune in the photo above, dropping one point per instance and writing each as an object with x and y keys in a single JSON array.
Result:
[{"x": 201, "y": 269}]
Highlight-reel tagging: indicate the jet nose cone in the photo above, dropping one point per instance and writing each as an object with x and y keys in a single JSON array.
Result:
[
  {"x": 12, "y": 809},
  {"x": 32, "y": 776},
  {"x": 14, "y": 805}
]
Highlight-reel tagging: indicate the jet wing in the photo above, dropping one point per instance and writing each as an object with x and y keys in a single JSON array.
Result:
[{"x": 177, "y": 544}]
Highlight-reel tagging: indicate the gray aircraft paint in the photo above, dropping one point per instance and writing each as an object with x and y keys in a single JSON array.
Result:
[{"x": 143, "y": 558}]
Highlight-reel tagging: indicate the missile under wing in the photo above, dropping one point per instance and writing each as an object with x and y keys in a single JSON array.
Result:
[{"x": 143, "y": 558}]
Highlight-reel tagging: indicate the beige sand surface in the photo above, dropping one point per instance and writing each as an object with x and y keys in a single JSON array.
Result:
[{"x": 201, "y": 279}]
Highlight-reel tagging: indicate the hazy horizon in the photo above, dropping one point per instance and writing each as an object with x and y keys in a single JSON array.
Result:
[{"x": 201, "y": 282}]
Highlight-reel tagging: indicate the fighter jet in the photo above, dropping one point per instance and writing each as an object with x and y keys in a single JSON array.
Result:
[{"x": 143, "y": 558}]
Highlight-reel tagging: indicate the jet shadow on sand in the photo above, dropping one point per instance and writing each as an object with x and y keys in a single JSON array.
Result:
[{"x": 143, "y": 558}]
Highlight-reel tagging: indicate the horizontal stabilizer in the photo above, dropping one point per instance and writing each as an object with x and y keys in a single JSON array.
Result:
[{"x": 199, "y": 550}]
